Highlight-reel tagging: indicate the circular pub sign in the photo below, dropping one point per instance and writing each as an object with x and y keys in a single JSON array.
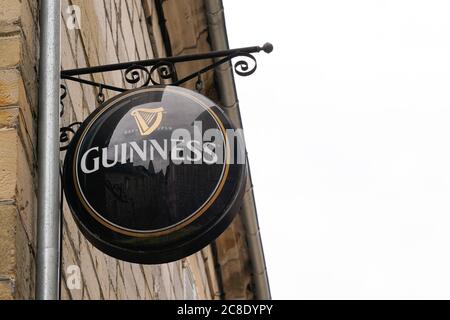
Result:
[{"x": 155, "y": 174}]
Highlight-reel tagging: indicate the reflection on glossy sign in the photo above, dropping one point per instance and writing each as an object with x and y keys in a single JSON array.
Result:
[{"x": 155, "y": 174}]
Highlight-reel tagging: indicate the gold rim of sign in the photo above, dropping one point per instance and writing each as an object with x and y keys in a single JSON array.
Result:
[{"x": 182, "y": 223}]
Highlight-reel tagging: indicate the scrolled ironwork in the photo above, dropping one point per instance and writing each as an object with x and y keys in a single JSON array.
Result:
[
  {"x": 143, "y": 72},
  {"x": 64, "y": 137},
  {"x": 165, "y": 70},
  {"x": 137, "y": 73},
  {"x": 199, "y": 84},
  {"x": 100, "y": 96},
  {"x": 61, "y": 98},
  {"x": 243, "y": 67}
]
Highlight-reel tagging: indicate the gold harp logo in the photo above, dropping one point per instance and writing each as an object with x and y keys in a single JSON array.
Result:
[{"x": 147, "y": 119}]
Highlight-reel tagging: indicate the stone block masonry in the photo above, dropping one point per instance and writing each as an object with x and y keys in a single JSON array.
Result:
[
  {"x": 110, "y": 31},
  {"x": 18, "y": 113}
]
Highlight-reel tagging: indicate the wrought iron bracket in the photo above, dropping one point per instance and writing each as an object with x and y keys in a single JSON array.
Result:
[
  {"x": 144, "y": 71},
  {"x": 159, "y": 71},
  {"x": 64, "y": 137}
]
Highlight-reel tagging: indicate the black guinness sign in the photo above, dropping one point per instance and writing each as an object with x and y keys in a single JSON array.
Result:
[{"x": 155, "y": 174}]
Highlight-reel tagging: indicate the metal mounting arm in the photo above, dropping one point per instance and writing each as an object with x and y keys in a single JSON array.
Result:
[{"x": 143, "y": 71}]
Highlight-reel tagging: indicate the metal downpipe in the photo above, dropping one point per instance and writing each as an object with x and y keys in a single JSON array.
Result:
[{"x": 48, "y": 215}]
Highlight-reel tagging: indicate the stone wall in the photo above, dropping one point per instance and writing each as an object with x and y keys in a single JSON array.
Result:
[
  {"x": 18, "y": 111},
  {"x": 112, "y": 32}
]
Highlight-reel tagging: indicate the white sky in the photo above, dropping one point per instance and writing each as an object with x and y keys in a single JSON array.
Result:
[{"x": 347, "y": 126}]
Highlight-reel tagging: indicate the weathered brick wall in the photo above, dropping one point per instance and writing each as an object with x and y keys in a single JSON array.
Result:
[
  {"x": 119, "y": 31},
  {"x": 18, "y": 109}
]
